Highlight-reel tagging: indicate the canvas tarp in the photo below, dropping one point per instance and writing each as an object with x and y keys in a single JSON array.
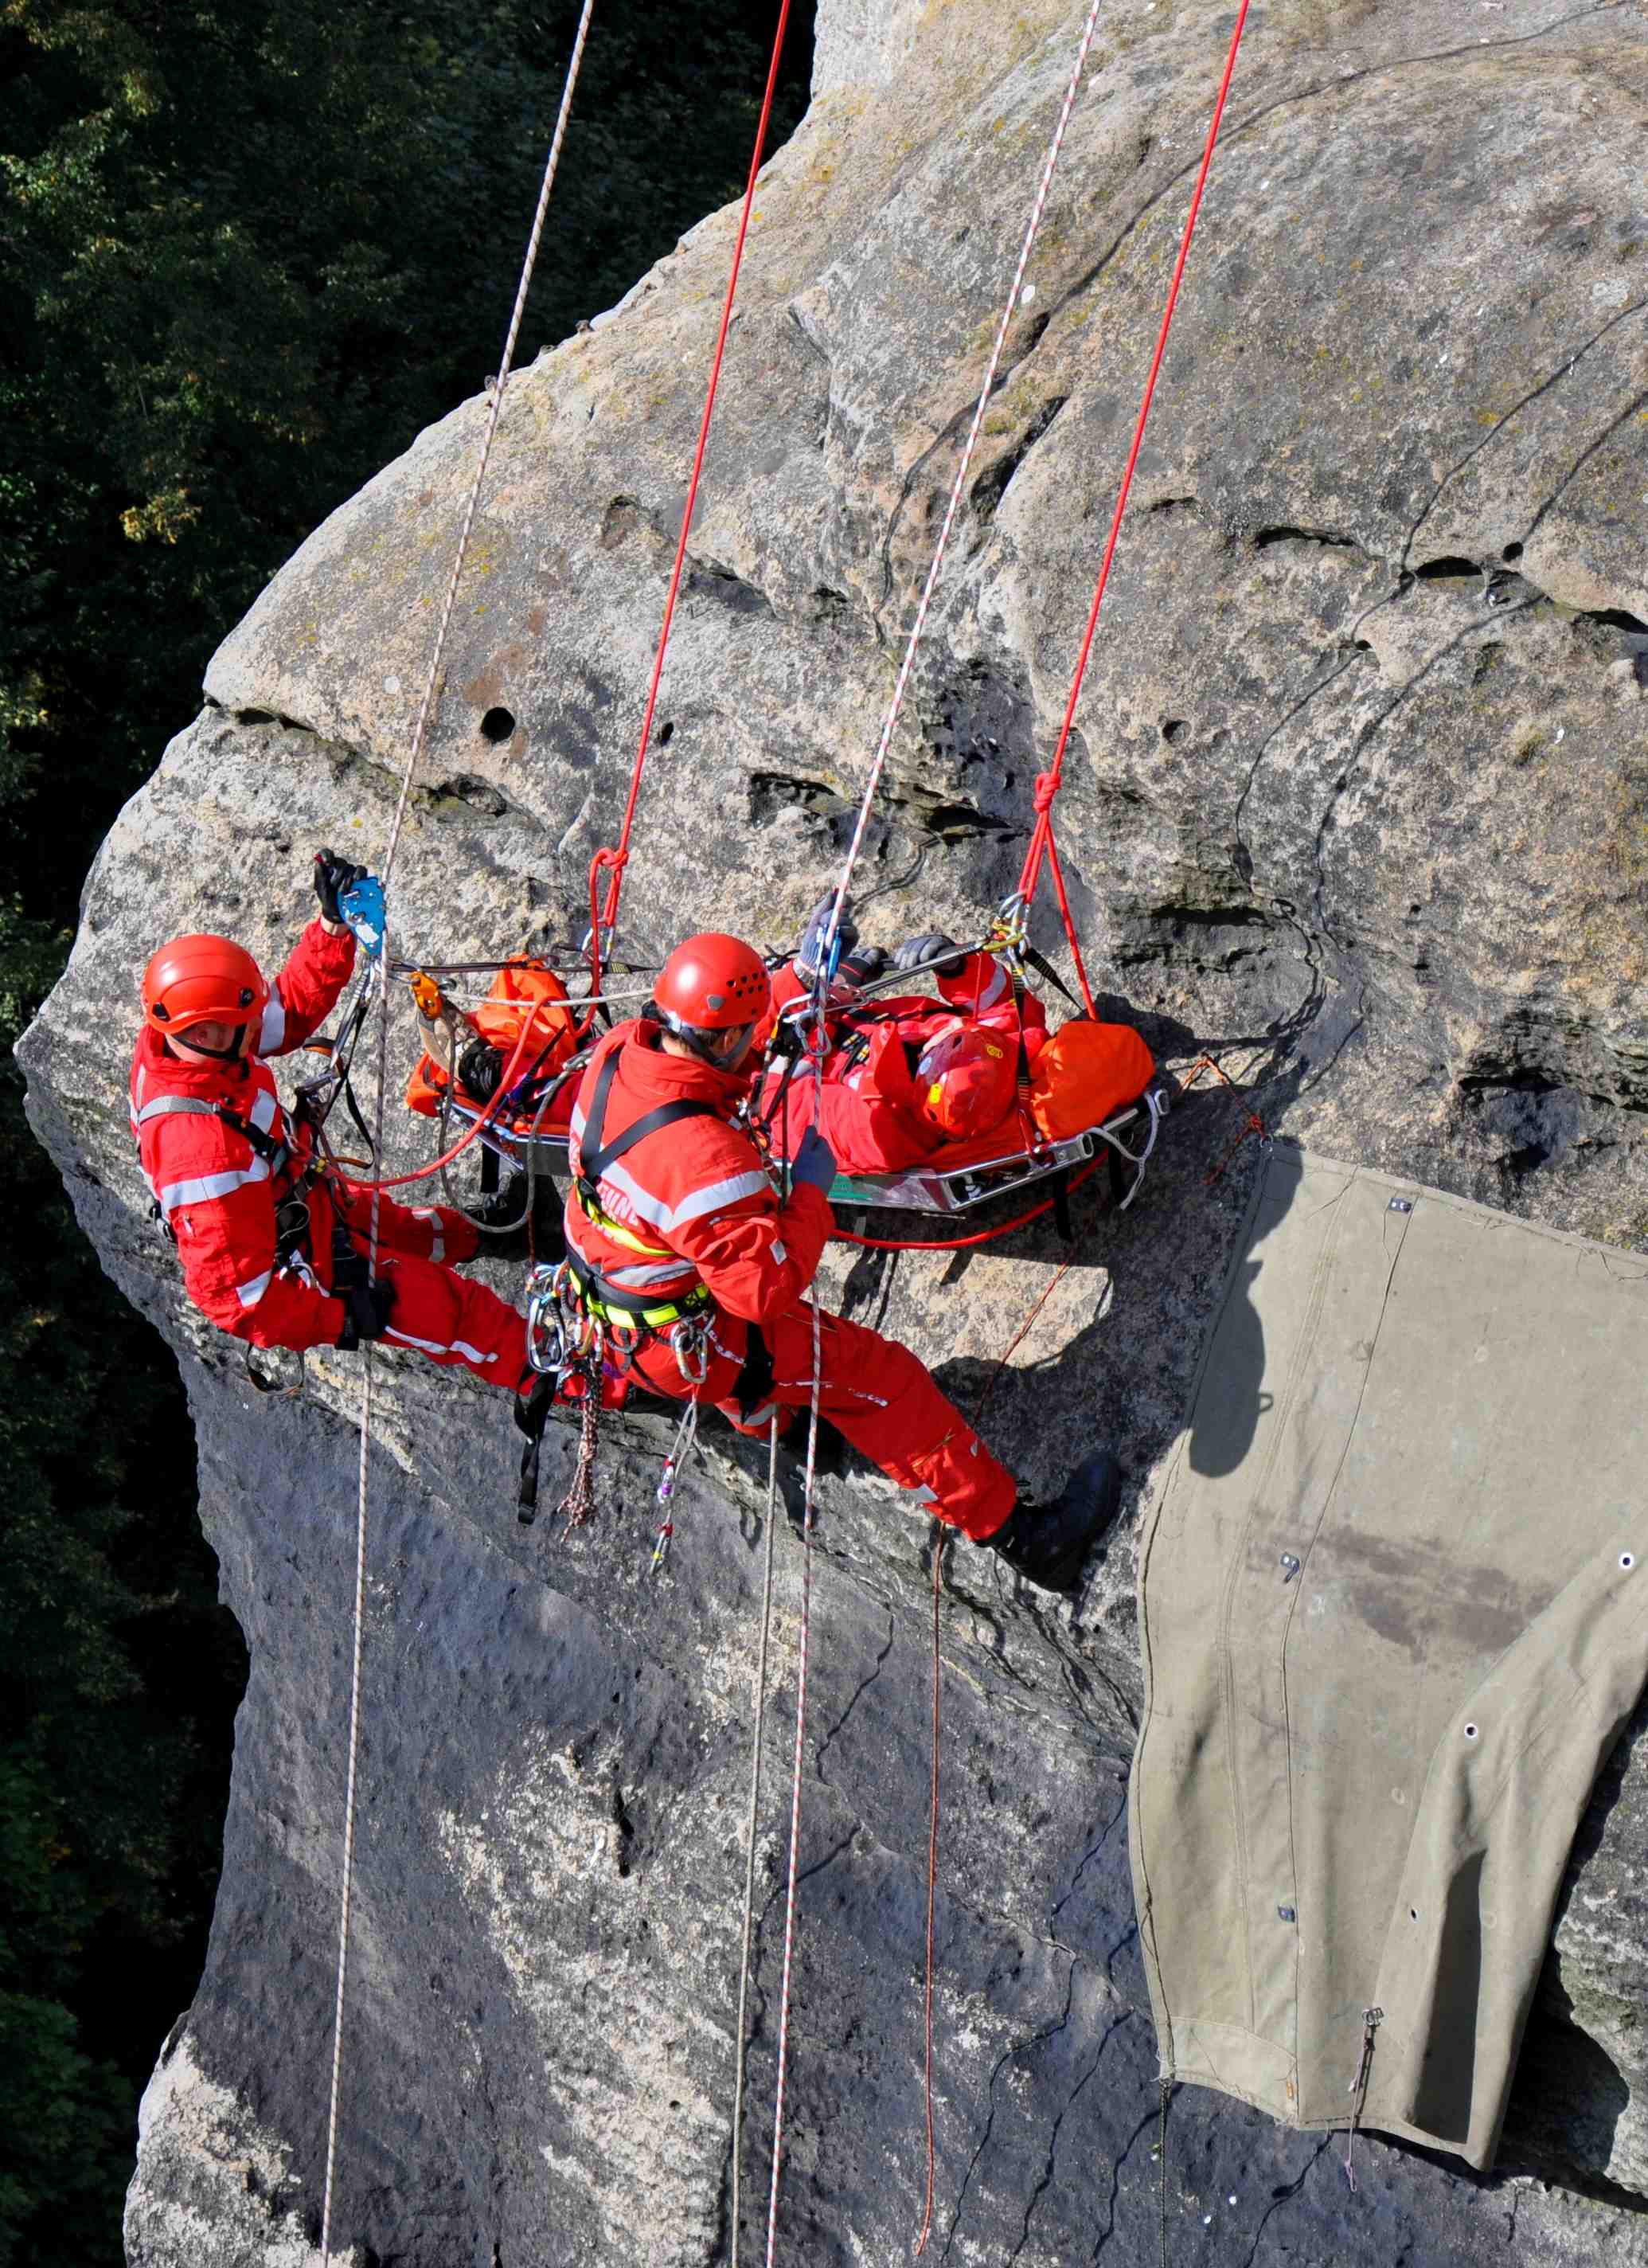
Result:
[{"x": 1394, "y": 1603}]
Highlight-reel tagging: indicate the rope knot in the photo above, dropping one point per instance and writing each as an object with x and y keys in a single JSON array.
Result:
[{"x": 1047, "y": 787}]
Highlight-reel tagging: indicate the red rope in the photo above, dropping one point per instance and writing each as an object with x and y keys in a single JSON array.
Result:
[
  {"x": 1252, "y": 1125},
  {"x": 612, "y": 861},
  {"x": 422, "y": 1173},
  {"x": 1050, "y": 782},
  {"x": 1069, "y": 926}
]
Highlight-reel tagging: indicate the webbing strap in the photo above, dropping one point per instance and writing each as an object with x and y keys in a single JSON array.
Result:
[
  {"x": 610, "y": 1302},
  {"x": 276, "y": 1155},
  {"x": 594, "y": 1156}
]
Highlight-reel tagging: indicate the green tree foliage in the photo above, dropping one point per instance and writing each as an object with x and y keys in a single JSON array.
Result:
[{"x": 247, "y": 248}]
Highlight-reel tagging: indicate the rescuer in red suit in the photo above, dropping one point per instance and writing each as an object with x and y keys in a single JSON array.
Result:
[
  {"x": 274, "y": 1249},
  {"x": 674, "y": 1232},
  {"x": 905, "y": 1074}
]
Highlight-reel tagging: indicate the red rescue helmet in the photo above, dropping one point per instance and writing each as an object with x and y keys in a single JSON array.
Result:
[
  {"x": 965, "y": 1081},
  {"x": 202, "y": 980},
  {"x": 711, "y": 992}
]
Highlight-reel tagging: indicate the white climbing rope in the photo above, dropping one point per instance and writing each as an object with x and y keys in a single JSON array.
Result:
[
  {"x": 419, "y": 734},
  {"x": 870, "y": 787},
  {"x": 1032, "y": 230},
  {"x": 755, "y": 1809}
]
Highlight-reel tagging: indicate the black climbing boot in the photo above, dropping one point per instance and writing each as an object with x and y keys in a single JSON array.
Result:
[
  {"x": 531, "y": 1413},
  {"x": 1047, "y": 1542},
  {"x": 509, "y": 1231}
]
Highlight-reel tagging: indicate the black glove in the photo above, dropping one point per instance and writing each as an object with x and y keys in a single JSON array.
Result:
[
  {"x": 863, "y": 965},
  {"x": 331, "y": 877},
  {"x": 814, "y": 1162},
  {"x": 915, "y": 951},
  {"x": 480, "y": 1067},
  {"x": 811, "y": 948},
  {"x": 370, "y": 1309}
]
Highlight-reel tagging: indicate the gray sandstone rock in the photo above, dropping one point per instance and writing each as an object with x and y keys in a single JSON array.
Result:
[{"x": 1358, "y": 798}]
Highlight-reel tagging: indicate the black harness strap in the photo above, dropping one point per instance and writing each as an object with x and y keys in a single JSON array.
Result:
[
  {"x": 594, "y": 1155},
  {"x": 276, "y": 1155}
]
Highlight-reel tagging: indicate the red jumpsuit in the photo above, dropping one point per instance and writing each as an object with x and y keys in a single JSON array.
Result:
[
  {"x": 869, "y": 1116},
  {"x": 691, "y": 1204},
  {"x": 218, "y": 1195}
]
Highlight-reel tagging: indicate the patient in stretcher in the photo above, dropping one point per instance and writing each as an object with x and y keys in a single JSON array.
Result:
[
  {"x": 910, "y": 1080},
  {"x": 906, "y": 1075}
]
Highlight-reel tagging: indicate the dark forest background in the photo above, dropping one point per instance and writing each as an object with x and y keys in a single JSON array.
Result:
[{"x": 247, "y": 250}]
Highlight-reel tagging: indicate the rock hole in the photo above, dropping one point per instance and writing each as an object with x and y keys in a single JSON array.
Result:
[
  {"x": 666, "y": 734},
  {"x": 1413, "y": 1913},
  {"x": 498, "y": 726},
  {"x": 1448, "y": 570},
  {"x": 1175, "y": 729},
  {"x": 1471, "y": 1732},
  {"x": 1616, "y": 619},
  {"x": 1628, "y": 1560},
  {"x": 1511, "y": 552}
]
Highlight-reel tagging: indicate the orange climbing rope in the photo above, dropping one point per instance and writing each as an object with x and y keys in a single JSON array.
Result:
[{"x": 612, "y": 861}]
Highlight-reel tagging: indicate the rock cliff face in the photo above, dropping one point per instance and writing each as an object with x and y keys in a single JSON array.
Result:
[{"x": 1358, "y": 799}]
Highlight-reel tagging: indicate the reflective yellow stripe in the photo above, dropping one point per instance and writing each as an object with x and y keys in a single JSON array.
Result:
[
  {"x": 652, "y": 1319},
  {"x": 604, "y": 1222}
]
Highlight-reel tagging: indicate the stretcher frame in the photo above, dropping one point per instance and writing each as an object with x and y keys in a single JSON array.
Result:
[{"x": 939, "y": 1191}]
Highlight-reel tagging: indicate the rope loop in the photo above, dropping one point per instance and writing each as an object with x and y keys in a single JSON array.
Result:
[{"x": 1047, "y": 787}]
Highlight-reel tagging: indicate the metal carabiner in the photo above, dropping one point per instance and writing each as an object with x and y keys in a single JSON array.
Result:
[
  {"x": 689, "y": 1343},
  {"x": 547, "y": 1337}
]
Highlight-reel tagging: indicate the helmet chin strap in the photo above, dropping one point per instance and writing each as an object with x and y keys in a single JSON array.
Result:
[
  {"x": 236, "y": 1054},
  {"x": 700, "y": 1043}
]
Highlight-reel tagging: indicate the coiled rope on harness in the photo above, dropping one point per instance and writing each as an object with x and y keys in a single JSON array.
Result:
[{"x": 419, "y": 736}]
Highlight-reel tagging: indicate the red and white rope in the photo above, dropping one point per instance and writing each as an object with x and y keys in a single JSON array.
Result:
[
  {"x": 872, "y": 785},
  {"x": 419, "y": 733}
]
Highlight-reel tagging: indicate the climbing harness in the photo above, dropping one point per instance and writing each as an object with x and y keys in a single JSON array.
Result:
[{"x": 381, "y": 968}]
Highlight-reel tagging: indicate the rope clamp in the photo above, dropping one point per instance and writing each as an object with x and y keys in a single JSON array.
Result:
[{"x": 362, "y": 908}]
